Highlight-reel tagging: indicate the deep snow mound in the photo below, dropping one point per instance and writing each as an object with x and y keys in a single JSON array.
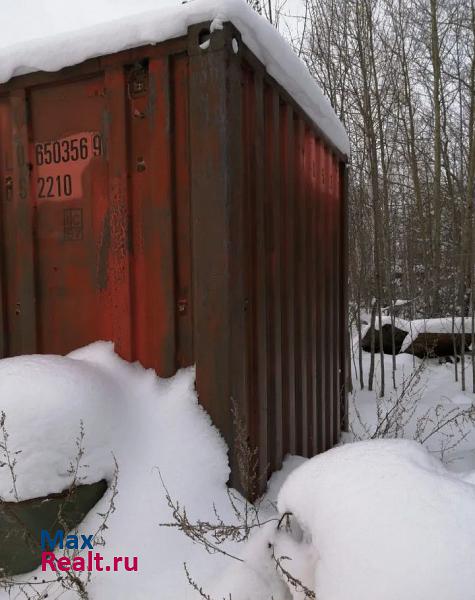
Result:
[
  {"x": 45, "y": 399},
  {"x": 388, "y": 521},
  {"x": 149, "y": 426}
]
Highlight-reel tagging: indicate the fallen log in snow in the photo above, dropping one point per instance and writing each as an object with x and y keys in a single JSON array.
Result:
[
  {"x": 426, "y": 338},
  {"x": 399, "y": 337}
]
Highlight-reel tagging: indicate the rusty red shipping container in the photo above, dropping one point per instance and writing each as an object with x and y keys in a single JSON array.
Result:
[{"x": 179, "y": 202}]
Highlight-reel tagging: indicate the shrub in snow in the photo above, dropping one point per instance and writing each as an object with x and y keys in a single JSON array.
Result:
[
  {"x": 426, "y": 406},
  {"x": 387, "y": 521},
  {"x": 256, "y": 577}
]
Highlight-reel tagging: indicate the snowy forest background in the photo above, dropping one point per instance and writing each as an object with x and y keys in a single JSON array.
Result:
[{"x": 401, "y": 77}]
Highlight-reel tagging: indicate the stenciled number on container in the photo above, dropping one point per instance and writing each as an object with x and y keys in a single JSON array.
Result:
[
  {"x": 75, "y": 150},
  {"x": 55, "y": 187},
  {"x": 68, "y": 150}
]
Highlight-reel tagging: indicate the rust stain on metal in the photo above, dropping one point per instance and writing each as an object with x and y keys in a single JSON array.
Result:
[
  {"x": 103, "y": 254},
  {"x": 106, "y": 123},
  {"x": 151, "y": 100},
  {"x": 23, "y": 170}
]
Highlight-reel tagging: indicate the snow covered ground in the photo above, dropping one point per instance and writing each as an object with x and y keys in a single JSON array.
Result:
[
  {"x": 431, "y": 398},
  {"x": 372, "y": 520}
]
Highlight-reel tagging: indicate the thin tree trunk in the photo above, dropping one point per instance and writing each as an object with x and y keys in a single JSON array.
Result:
[{"x": 436, "y": 193}]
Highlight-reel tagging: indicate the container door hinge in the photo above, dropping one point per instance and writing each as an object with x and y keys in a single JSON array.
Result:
[
  {"x": 138, "y": 81},
  {"x": 8, "y": 188},
  {"x": 182, "y": 306}
]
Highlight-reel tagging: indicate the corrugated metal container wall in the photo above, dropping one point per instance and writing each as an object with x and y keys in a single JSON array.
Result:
[
  {"x": 296, "y": 274},
  {"x": 177, "y": 201}
]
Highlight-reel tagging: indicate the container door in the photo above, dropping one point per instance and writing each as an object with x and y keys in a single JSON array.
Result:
[{"x": 80, "y": 248}]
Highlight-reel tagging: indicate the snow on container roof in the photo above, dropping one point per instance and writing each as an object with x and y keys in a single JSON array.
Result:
[{"x": 51, "y": 47}]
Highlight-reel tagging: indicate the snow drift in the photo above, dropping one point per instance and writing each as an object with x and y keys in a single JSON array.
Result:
[
  {"x": 45, "y": 399},
  {"x": 144, "y": 422},
  {"x": 387, "y": 521}
]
